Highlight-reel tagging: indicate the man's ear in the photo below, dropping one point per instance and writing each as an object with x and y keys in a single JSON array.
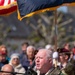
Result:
[{"x": 50, "y": 60}]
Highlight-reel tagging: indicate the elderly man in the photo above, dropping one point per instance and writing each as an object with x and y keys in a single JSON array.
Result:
[
  {"x": 44, "y": 64},
  {"x": 8, "y": 70},
  {"x": 30, "y": 55},
  {"x": 28, "y": 60}
]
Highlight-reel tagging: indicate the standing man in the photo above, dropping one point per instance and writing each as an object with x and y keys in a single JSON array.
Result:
[
  {"x": 64, "y": 56},
  {"x": 3, "y": 48},
  {"x": 23, "y": 56},
  {"x": 44, "y": 64},
  {"x": 3, "y": 59},
  {"x": 24, "y": 47}
]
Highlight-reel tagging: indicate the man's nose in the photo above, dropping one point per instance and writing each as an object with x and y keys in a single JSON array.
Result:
[{"x": 37, "y": 60}]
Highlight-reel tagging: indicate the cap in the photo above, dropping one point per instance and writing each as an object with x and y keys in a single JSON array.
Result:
[
  {"x": 63, "y": 51},
  {"x": 3, "y": 53},
  {"x": 14, "y": 55}
]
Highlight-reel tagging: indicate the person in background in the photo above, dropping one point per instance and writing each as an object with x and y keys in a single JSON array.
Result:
[
  {"x": 3, "y": 59},
  {"x": 66, "y": 47},
  {"x": 3, "y": 48},
  {"x": 73, "y": 52},
  {"x": 24, "y": 47},
  {"x": 29, "y": 60},
  {"x": 49, "y": 47},
  {"x": 64, "y": 56},
  {"x": 30, "y": 54},
  {"x": 15, "y": 62},
  {"x": 23, "y": 56},
  {"x": 7, "y": 68}
]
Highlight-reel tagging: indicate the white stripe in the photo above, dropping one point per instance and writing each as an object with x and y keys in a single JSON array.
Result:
[
  {"x": 6, "y": 2},
  {"x": 12, "y": 1}
]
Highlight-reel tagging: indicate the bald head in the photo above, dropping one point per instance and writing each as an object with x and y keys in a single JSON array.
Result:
[{"x": 7, "y": 68}]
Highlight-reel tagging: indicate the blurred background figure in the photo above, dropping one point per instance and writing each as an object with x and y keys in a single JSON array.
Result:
[
  {"x": 3, "y": 48},
  {"x": 3, "y": 59},
  {"x": 15, "y": 62},
  {"x": 67, "y": 46},
  {"x": 24, "y": 47},
  {"x": 23, "y": 56},
  {"x": 73, "y": 50},
  {"x": 64, "y": 56},
  {"x": 49, "y": 47},
  {"x": 29, "y": 60},
  {"x": 7, "y": 68},
  {"x": 30, "y": 54}
]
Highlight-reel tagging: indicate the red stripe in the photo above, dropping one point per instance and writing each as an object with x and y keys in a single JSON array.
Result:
[
  {"x": 9, "y": 2},
  {"x": 8, "y": 11},
  {"x": 15, "y": 0},
  {"x": 1, "y": 2}
]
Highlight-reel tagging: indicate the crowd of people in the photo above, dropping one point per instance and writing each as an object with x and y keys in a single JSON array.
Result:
[{"x": 41, "y": 61}]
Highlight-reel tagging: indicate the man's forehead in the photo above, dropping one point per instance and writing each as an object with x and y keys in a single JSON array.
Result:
[{"x": 41, "y": 53}]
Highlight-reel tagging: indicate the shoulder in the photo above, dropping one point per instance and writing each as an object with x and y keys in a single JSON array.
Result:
[
  {"x": 70, "y": 68},
  {"x": 54, "y": 71}
]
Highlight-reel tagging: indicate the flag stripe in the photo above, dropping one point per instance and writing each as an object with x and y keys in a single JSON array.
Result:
[
  {"x": 6, "y": 2},
  {"x": 7, "y": 7}
]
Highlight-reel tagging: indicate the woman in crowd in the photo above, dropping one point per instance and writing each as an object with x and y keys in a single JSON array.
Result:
[{"x": 15, "y": 62}]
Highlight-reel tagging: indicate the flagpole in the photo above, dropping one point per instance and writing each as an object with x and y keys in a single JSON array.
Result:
[
  {"x": 55, "y": 37},
  {"x": 55, "y": 27}
]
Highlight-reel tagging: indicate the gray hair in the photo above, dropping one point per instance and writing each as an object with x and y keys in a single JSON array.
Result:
[
  {"x": 32, "y": 47},
  {"x": 48, "y": 53}
]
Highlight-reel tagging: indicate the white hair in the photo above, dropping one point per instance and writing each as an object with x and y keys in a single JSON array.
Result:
[
  {"x": 32, "y": 47},
  {"x": 48, "y": 53}
]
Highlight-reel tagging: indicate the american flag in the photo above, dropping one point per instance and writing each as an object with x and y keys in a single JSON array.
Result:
[{"x": 7, "y": 6}]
